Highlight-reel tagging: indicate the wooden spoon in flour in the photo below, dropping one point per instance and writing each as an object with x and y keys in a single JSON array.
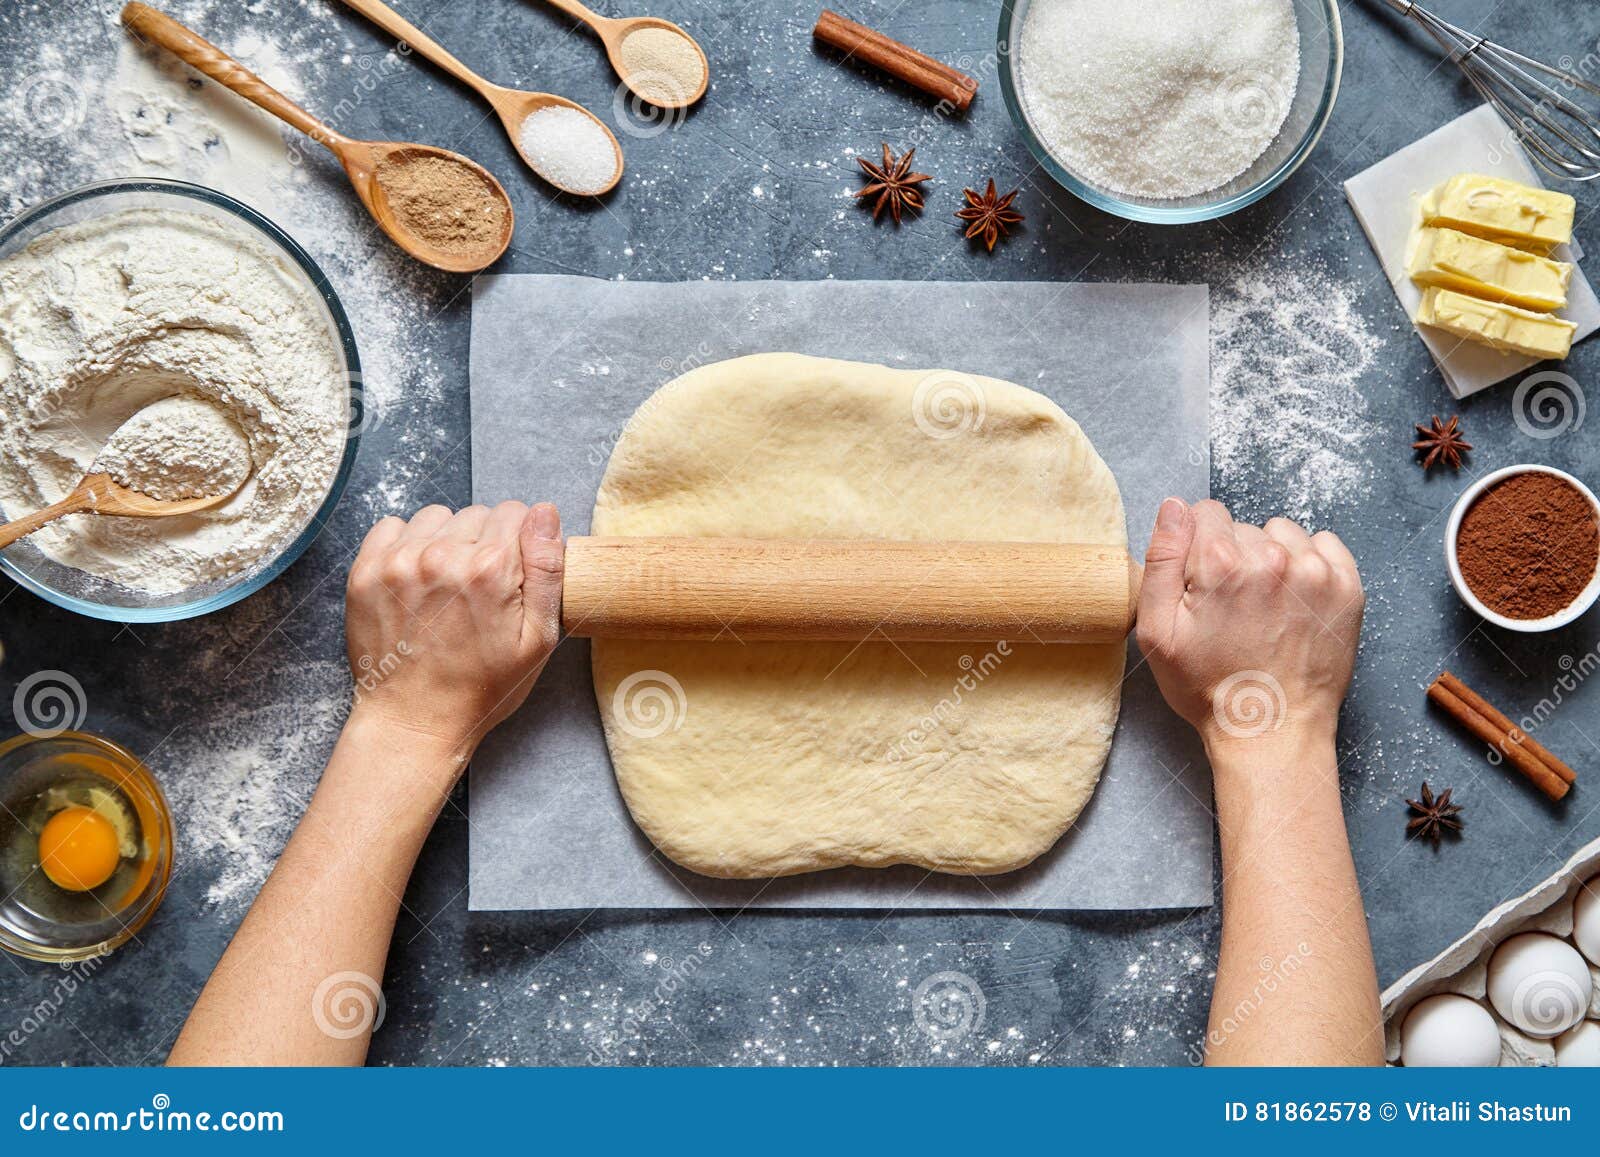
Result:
[
  {"x": 471, "y": 238},
  {"x": 177, "y": 455},
  {"x": 102, "y": 494}
]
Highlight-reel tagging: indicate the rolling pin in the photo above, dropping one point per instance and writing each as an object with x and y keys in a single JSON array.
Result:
[{"x": 747, "y": 589}]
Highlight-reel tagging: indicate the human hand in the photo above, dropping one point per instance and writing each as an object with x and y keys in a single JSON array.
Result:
[
  {"x": 1250, "y": 630},
  {"x": 450, "y": 618}
]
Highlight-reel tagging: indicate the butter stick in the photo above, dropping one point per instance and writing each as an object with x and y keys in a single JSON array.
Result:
[
  {"x": 1496, "y": 324},
  {"x": 1499, "y": 210},
  {"x": 1471, "y": 265}
]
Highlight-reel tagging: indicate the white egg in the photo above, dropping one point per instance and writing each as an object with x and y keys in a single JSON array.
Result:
[
  {"x": 1586, "y": 919},
  {"x": 1539, "y": 983},
  {"x": 1449, "y": 1031},
  {"x": 1579, "y": 1048}
]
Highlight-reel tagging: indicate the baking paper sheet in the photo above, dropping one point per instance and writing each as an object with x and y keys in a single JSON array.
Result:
[
  {"x": 1384, "y": 199},
  {"x": 559, "y": 364}
]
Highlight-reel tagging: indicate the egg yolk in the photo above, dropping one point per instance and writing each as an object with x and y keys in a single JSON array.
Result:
[{"x": 78, "y": 849}]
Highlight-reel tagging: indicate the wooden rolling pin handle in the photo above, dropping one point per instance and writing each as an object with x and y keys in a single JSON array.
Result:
[{"x": 793, "y": 589}]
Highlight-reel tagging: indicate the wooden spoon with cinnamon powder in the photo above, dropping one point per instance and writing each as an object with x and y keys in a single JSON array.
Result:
[{"x": 443, "y": 209}]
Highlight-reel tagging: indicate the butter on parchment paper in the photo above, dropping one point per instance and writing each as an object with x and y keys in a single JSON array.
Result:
[
  {"x": 1496, "y": 324},
  {"x": 1453, "y": 260},
  {"x": 1499, "y": 210}
]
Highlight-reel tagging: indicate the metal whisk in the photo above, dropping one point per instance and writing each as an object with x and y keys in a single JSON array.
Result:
[{"x": 1546, "y": 121}]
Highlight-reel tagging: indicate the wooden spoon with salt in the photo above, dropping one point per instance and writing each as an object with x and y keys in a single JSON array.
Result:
[
  {"x": 365, "y": 162},
  {"x": 101, "y": 494},
  {"x": 667, "y": 91},
  {"x": 514, "y": 106}
]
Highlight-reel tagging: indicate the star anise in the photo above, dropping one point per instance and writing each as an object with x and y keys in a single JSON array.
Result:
[
  {"x": 1441, "y": 442},
  {"x": 1434, "y": 816},
  {"x": 894, "y": 183},
  {"x": 991, "y": 216}
]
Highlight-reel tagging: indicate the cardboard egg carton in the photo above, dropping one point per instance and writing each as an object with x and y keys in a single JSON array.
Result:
[{"x": 1463, "y": 967}]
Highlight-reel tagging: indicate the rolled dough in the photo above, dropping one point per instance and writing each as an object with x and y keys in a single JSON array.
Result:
[{"x": 748, "y": 760}]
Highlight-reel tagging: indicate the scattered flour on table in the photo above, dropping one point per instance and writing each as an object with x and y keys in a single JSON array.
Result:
[
  {"x": 1289, "y": 424},
  {"x": 949, "y": 1003},
  {"x": 224, "y": 770}
]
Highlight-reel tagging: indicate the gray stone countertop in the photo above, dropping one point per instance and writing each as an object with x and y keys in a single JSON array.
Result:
[{"x": 1316, "y": 382}]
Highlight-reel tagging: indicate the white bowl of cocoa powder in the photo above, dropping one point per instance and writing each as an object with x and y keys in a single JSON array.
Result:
[{"x": 1523, "y": 547}]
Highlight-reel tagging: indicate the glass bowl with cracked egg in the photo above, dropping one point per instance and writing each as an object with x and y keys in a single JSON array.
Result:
[
  {"x": 1317, "y": 87},
  {"x": 86, "y": 843},
  {"x": 98, "y": 598}
]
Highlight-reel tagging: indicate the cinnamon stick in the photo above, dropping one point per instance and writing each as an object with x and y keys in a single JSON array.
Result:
[
  {"x": 1517, "y": 753},
  {"x": 899, "y": 60},
  {"x": 1518, "y": 736}
]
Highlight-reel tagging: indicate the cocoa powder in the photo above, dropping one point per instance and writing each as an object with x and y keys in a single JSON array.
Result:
[
  {"x": 1529, "y": 545},
  {"x": 442, "y": 201}
]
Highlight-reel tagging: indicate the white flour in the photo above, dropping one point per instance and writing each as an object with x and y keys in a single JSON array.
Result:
[
  {"x": 179, "y": 447},
  {"x": 1159, "y": 98},
  {"x": 161, "y": 304}
]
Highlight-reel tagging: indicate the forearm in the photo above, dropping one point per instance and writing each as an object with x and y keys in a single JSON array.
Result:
[
  {"x": 328, "y": 908},
  {"x": 1295, "y": 979}
]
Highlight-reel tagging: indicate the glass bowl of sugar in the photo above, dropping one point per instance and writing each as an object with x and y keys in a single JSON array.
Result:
[
  {"x": 1169, "y": 112},
  {"x": 258, "y": 308}
]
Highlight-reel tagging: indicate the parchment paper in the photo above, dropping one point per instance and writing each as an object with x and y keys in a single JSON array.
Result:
[
  {"x": 1385, "y": 197},
  {"x": 559, "y": 364}
]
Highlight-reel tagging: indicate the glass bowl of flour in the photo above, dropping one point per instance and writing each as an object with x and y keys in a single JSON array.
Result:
[
  {"x": 1170, "y": 111},
  {"x": 155, "y": 297}
]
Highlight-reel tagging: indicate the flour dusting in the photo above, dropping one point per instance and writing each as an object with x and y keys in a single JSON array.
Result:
[
  {"x": 224, "y": 771},
  {"x": 1289, "y": 424}
]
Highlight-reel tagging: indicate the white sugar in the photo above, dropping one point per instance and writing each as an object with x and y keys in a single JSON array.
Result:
[
  {"x": 1159, "y": 98},
  {"x": 569, "y": 148}
]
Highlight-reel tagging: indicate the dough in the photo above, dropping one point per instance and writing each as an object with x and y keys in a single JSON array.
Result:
[{"x": 767, "y": 759}]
